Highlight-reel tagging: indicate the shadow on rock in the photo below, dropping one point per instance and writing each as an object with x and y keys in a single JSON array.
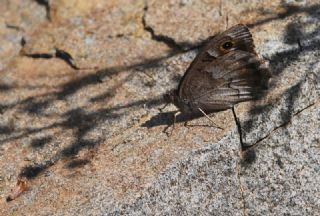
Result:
[
  {"x": 83, "y": 120},
  {"x": 167, "y": 118},
  {"x": 305, "y": 41}
]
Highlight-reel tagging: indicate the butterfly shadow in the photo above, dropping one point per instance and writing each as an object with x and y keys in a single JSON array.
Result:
[{"x": 172, "y": 117}]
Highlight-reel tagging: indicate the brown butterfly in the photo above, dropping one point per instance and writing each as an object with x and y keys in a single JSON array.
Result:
[{"x": 227, "y": 71}]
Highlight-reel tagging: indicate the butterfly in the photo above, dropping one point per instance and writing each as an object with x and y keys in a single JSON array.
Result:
[{"x": 225, "y": 72}]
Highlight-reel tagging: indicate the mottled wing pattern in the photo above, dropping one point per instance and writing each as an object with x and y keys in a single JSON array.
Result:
[
  {"x": 225, "y": 72},
  {"x": 242, "y": 76}
]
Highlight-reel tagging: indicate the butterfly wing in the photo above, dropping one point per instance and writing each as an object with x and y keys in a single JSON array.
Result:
[
  {"x": 225, "y": 72},
  {"x": 238, "y": 76}
]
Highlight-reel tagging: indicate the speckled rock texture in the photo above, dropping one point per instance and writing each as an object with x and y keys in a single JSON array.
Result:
[{"x": 82, "y": 124}]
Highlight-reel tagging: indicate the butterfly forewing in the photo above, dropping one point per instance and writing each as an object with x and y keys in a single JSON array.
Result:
[{"x": 225, "y": 72}]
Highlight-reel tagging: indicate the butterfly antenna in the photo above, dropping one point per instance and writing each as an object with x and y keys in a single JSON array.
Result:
[{"x": 210, "y": 119}]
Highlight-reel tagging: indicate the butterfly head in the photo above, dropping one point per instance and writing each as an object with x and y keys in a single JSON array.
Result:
[
  {"x": 183, "y": 105},
  {"x": 170, "y": 97}
]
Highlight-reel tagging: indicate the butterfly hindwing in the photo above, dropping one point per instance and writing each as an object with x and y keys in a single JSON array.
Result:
[{"x": 242, "y": 80}]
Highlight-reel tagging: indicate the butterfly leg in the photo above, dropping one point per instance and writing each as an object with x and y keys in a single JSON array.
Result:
[
  {"x": 186, "y": 124},
  {"x": 209, "y": 119},
  {"x": 174, "y": 121},
  {"x": 173, "y": 124},
  {"x": 162, "y": 108}
]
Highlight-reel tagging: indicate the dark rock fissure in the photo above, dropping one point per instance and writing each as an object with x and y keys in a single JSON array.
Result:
[
  {"x": 239, "y": 163},
  {"x": 58, "y": 53},
  {"x": 46, "y": 5},
  {"x": 247, "y": 148},
  {"x": 239, "y": 129},
  {"x": 170, "y": 42},
  {"x": 280, "y": 126},
  {"x": 14, "y": 27}
]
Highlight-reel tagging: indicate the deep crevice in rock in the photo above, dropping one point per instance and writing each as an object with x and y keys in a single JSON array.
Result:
[
  {"x": 282, "y": 125},
  {"x": 170, "y": 42},
  {"x": 58, "y": 53},
  {"x": 46, "y": 5},
  {"x": 14, "y": 27},
  {"x": 61, "y": 54},
  {"x": 247, "y": 148},
  {"x": 239, "y": 129}
]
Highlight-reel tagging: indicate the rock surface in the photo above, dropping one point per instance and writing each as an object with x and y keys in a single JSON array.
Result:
[{"x": 81, "y": 89}]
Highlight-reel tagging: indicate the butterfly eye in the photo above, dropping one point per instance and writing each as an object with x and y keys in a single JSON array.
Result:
[{"x": 227, "y": 45}]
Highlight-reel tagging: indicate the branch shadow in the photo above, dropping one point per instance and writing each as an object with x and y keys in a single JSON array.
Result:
[
  {"x": 305, "y": 42},
  {"x": 82, "y": 121},
  {"x": 278, "y": 62}
]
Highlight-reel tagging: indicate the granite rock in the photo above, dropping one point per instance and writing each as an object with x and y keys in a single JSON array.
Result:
[
  {"x": 81, "y": 119},
  {"x": 284, "y": 178}
]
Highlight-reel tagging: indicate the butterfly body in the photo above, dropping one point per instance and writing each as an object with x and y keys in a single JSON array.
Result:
[{"x": 227, "y": 71}]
